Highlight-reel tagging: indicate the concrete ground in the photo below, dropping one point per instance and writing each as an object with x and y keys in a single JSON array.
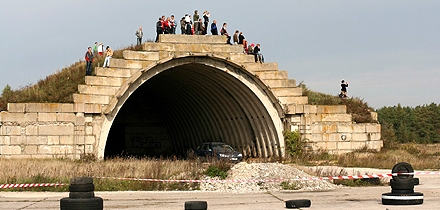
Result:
[{"x": 344, "y": 198}]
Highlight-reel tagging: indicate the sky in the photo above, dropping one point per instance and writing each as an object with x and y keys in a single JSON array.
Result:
[{"x": 388, "y": 50}]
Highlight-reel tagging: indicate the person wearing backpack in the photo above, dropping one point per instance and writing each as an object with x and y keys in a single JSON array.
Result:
[{"x": 139, "y": 35}]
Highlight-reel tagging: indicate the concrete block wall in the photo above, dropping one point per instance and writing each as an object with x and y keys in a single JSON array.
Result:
[
  {"x": 329, "y": 128},
  {"x": 45, "y": 130}
]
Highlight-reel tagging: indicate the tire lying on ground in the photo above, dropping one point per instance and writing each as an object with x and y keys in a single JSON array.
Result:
[
  {"x": 402, "y": 185},
  {"x": 402, "y": 167},
  {"x": 300, "y": 203},
  {"x": 81, "y": 187},
  {"x": 196, "y": 205},
  {"x": 402, "y": 191},
  {"x": 402, "y": 199},
  {"x": 95, "y": 203},
  {"x": 89, "y": 194}
]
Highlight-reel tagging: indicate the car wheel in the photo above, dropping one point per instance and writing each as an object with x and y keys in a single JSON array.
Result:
[
  {"x": 295, "y": 204},
  {"x": 403, "y": 167},
  {"x": 402, "y": 199},
  {"x": 95, "y": 203},
  {"x": 402, "y": 185},
  {"x": 81, "y": 187},
  {"x": 196, "y": 205}
]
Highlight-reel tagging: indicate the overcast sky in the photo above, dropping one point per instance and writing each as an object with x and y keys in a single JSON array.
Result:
[{"x": 388, "y": 50}]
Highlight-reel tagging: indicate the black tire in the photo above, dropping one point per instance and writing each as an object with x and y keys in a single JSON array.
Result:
[
  {"x": 403, "y": 167},
  {"x": 95, "y": 203},
  {"x": 402, "y": 191},
  {"x": 416, "y": 181},
  {"x": 81, "y": 187},
  {"x": 295, "y": 204},
  {"x": 81, "y": 180},
  {"x": 402, "y": 185},
  {"x": 402, "y": 199},
  {"x": 196, "y": 205},
  {"x": 90, "y": 194}
]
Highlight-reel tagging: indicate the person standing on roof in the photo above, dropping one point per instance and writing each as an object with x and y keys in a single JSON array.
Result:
[
  {"x": 214, "y": 30},
  {"x": 159, "y": 29},
  {"x": 108, "y": 55},
  {"x": 89, "y": 60},
  {"x": 139, "y": 35},
  {"x": 344, "y": 86}
]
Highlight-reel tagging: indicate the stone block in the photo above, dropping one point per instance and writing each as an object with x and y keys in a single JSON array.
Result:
[
  {"x": 105, "y": 81},
  {"x": 327, "y": 145},
  {"x": 87, "y": 108},
  {"x": 5, "y": 140},
  {"x": 43, "y": 107},
  {"x": 344, "y": 145},
  {"x": 89, "y": 130},
  {"x": 56, "y": 130},
  {"x": 10, "y": 130},
  {"x": 98, "y": 90},
  {"x": 311, "y": 109},
  {"x": 194, "y": 48},
  {"x": 90, "y": 140},
  {"x": 253, "y": 67},
  {"x": 30, "y": 149},
  {"x": 241, "y": 58},
  {"x": 329, "y": 128},
  {"x": 17, "y": 140},
  {"x": 88, "y": 118},
  {"x": 91, "y": 99},
  {"x": 66, "y": 117},
  {"x": 293, "y": 99},
  {"x": 16, "y": 107},
  {"x": 372, "y": 128},
  {"x": 286, "y": 91},
  {"x": 53, "y": 140},
  {"x": 295, "y": 119},
  {"x": 336, "y": 117},
  {"x": 274, "y": 83},
  {"x": 67, "y": 140},
  {"x": 272, "y": 74},
  {"x": 360, "y": 137},
  {"x": 80, "y": 120},
  {"x": 376, "y": 145},
  {"x": 327, "y": 109},
  {"x": 359, "y": 128},
  {"x": 289, "y": 109},
  {"x": 32, "y": 130},
  {"x": 226, "y": 49},
  {"x": 36, "y": 140},
  {"x": 344, "y": 128},
  {"x": 10, "y": 150},
  {"x": 67, "y": 107},
  {"x": 374, "y": 136},
  {"x": 141, "y": 55},
  {"x": 47, "y": 117},
  {"x": 18, "y": 117},
  {"x": 205, "y": 39},
  {"x": 299, "y": 108},
  {"x": 114, "y": 72}
]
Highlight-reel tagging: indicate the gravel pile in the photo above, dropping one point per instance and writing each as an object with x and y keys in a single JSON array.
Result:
[{"x": 265, "y": 171}]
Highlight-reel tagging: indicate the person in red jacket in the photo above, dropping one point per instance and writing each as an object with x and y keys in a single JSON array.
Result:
[{"x": 89, "y": 60}]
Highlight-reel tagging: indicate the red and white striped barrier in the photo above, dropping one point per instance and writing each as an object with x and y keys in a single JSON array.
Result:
[{"x": 4, "y": 186}]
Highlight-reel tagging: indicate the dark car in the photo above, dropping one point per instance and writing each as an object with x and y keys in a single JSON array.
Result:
[{"x": 219, "y": 150}]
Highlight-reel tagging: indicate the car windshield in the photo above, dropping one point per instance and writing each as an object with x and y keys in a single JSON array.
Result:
[{"x": 223, "y": 148}]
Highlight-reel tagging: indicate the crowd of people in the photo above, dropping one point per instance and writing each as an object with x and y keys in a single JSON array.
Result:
[
  {"x": 189, "y": 26},
  {"x": 97, "y": 51},
  {"x": 199, "y": 26}
]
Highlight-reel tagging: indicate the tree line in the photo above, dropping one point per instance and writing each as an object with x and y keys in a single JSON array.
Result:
[{"x": 420, "y": 124}]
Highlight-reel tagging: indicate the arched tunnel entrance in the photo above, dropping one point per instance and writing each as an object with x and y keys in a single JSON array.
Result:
[{"x": 190, "y": 103}]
